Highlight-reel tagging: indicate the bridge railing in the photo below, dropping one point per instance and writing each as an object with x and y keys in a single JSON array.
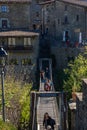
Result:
[
  {"x": 33, "y": 110},
  {"x": 56, "y": 105}
]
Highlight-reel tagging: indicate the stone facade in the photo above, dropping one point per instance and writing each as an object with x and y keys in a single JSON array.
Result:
[
  {"x": 48, "y": 17},
  {"x": 35, "y": 15},
  {"x": 68, "y": 17},
  {"x": 15, "y": 36},
  {"x": 22, "y": 49},
  {"x": 79, "y": 112},
  {"x": 14, "y": 15},
  {"x": 83, "y": 109},
  {"x": 64, "y": 54}
]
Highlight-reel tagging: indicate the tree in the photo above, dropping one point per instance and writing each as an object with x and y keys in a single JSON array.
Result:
[
  {"x": 17, "y": 100},
  {"x": 74, "y": 73}
]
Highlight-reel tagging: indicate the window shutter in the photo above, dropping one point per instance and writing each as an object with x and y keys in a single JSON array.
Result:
[{"x": 29, "y": 41}]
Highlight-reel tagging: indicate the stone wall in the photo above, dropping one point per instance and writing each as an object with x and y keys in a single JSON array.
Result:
[
  {"x": 35, "y": 15},
  {"x": 79, "y": 114},
  {"x": 64, "y": 54},
  {"x": 17, "y": 56},
  {"x": 72, "y": 25},
  {"x": 81, "y": 104},
  {"x": 20, "y": 55},
  {"x": 18, "y": 15},
  {"x": 84, "y": 108},
  {"x": 49, "y": 18},
  {"x": 73, "y": 116},
  {"x": 66, "y": 17}
]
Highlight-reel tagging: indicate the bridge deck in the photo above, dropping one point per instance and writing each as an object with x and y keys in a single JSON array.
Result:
[{"x": 46, "y": 104}]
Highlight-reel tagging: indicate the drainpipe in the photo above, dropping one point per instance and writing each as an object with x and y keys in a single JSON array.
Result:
[{"x": 43, "y": 19}]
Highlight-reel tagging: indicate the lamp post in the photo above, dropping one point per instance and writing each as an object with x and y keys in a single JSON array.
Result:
[{"x": 3, "y": 55}]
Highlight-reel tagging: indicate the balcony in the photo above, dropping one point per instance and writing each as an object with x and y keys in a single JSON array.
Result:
[{"x": 19, "y": 48}]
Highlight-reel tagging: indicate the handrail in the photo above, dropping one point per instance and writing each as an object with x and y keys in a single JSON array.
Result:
[
  {"x": 50, "y": 73},
  {"x": 34, "y": 112}
]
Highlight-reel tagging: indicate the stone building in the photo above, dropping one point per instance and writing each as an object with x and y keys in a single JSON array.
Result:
[
  {"x": 79, "y": 109},
  {"x": 48, "y": 16},
  {"x": 15, "y": 35},
  {"x": 14, "y": 14},
  {"x": 81, "y": 117},
  {"x": 35, "y": 15},
  {"x": 22, "y": 48},
  {"x": 64, "y": 55},
  {"x": 65, "y": 20},
  {"x": 69, "y": 17},
  {"x": 72, "y": 115}
]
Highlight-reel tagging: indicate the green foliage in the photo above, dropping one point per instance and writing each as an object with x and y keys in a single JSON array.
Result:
[
  {"x": 26, "y": 61},
  {"x": 13, "y": 62},
  {"x": 6, "y": 126},
  {"x": 25, "y": 103},
  {"x": 17, "y": 96},
  {"x": 75, "y": 72}
]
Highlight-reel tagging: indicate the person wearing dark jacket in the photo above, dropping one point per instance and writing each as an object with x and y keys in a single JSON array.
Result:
[{"x": 48, "y": 121}]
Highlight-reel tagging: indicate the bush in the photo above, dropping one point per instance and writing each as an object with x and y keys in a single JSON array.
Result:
[
  {"x": 17, "y": 101},
  {"x": 74, "y": 73},
  {"x": 6, "y": 126}
]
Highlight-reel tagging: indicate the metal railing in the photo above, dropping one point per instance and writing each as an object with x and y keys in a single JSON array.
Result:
[
  {"x": 34, "y": 125},
  {"x": 37, "y": 102}
]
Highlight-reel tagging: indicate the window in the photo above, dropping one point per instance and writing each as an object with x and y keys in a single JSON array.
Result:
[
  {"x": 66, "y": 36},
  {"x": 77, "y": 17},
  {"x": 27, "y": 41},
  {"x": 11, "y": 41},
  {"x": 4, "y": 23},
  {"x": 34, "y": 26},
  {"x": 65, "y": 7},
  {"x": 3, "y": 41},
  {"x": 37, "y": 14},
  {"x": 66, "y": 20},
  {"x": 4, "y": 8},
  {"x": 58, "y": 21},
  {"x": 48, "y": 19}
]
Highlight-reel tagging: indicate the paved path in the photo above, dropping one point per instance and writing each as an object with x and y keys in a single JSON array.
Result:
[{"x": 46, "y": 104}]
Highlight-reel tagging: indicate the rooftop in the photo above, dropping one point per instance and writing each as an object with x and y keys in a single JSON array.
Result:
[
  {"x": 47, "y": 2},
  {"x": 76, "y": 2},
  {"x": 18, "y": 34},
  {"x": 15, "y": 1}
]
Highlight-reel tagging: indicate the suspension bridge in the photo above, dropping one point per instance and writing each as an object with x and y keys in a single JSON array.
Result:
[{"x": 52, "y": 102}]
